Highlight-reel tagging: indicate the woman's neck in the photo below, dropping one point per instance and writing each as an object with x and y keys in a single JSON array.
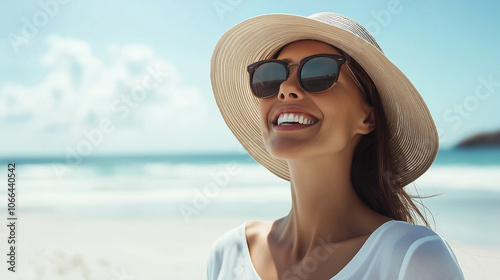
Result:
[{"x": 325, "y": 207}]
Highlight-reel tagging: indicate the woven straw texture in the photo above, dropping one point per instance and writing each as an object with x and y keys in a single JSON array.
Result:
[{"x": 413, "y": 135}]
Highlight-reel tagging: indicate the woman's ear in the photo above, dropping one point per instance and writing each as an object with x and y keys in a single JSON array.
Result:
[{"x": 369, "y": 121}]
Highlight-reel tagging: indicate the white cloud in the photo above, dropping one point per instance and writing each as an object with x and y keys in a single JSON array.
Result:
[{"x": 140, "y": 92}]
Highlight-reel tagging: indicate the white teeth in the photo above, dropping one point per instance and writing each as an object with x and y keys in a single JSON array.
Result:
[{"x": 288, "y": 119}]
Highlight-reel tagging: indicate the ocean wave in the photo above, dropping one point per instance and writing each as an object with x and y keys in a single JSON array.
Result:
[
  {"x": 164, "y": 183},
  {"x": 461, "y": 177}
]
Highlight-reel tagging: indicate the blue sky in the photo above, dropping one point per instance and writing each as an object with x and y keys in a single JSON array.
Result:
[{"x": 69, "y": 69}]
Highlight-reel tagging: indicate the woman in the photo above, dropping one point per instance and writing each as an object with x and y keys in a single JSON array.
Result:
[{"x": 321, "y": 106}]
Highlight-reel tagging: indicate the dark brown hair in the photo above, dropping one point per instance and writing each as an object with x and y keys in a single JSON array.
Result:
[{"x": 372, "y": 170}]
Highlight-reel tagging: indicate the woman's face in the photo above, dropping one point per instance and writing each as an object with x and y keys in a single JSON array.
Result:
[{"x": 339, "y": 116}]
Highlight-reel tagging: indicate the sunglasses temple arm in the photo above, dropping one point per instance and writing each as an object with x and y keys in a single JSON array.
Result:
[{"x": 354, "y": 77}]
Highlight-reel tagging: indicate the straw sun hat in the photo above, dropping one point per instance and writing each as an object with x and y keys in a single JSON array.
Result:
[{"x": 413, "y": 136}]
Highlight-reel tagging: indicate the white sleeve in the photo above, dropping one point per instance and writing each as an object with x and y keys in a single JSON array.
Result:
[{"x": 430, "y": 258}]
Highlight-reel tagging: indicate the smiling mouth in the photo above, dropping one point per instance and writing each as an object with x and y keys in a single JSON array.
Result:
[{"x": 294, "y": 119}]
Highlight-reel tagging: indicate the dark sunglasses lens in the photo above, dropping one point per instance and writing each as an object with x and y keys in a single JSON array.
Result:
[
  {"x": 319, "y": 74},
  {"x": 267, "y": 79}
]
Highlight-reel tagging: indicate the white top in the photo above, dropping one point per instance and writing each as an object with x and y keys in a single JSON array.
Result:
[{"x": 395, "y": 250}]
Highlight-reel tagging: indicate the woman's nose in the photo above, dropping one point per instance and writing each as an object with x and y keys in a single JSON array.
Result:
[{"x": 291, "y": 89}]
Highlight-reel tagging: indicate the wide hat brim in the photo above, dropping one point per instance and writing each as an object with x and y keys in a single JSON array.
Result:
[{"x": 413, "y": 135}]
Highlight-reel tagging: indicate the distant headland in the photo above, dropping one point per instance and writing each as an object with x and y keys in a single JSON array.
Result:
[{"x": 484, "y": 140}]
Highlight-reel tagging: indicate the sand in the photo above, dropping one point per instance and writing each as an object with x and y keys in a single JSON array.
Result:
[{"x": 53, "y": 246}]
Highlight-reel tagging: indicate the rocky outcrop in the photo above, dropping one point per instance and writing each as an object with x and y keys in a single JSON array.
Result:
[{"x": 481, "y": 140}]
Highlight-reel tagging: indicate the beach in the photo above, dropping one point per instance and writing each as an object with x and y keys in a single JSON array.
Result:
[
  {"x": 57, "y": 247},
  {"x": 104, "y": 222}
]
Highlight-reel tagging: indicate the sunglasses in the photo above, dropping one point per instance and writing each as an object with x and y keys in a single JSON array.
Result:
[{"x": 316, "y": 74}]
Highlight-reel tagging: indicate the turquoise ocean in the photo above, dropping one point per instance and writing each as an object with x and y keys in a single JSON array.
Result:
[{"x": 194, "y": 187}]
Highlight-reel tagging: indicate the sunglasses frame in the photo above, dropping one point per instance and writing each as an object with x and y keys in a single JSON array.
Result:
[{"x": 340, "y": 59}]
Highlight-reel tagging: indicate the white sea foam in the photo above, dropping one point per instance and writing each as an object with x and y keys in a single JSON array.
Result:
[
  {"x": 167, "y": 183},
  {"x": 461, "y": 177}
]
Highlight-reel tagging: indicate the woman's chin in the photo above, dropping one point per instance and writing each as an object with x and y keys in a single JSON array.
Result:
[{"x": 288, "y": 152}]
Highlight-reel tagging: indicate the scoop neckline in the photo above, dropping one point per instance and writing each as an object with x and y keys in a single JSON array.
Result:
[{"x": 348, "y": 269}]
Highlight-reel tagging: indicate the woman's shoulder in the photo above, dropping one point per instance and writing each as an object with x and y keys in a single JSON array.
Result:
[
  {"x": 229, "y": 239},
  {"x": 238, "y": 237},
  {"x": 399, "y": 230},
  {"x": 406, "y": 237},
  {"x": 257, "y": 231},
  {"x": 420, "y": 249},
  {"x": 227, "y": 255}
]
